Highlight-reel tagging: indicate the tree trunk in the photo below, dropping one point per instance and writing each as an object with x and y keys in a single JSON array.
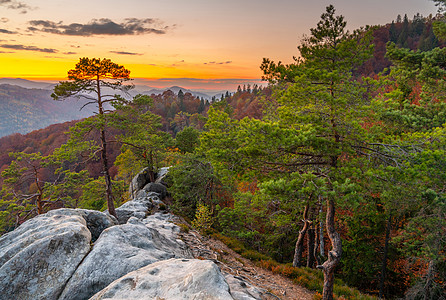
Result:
[
  {"x": 310, "y": 246},
  {"x": 321, "y": 232},
  {"x": 151, "y": 167},
  {"x": 384, "y": 263},
  {"x": 108, "y": 183},
  {"x": 297, "y": 260},
  {"x": 334, "y": 255},
  {"x": 317, "y": 245},
  {"x": 105, "y": 170},
  {"x": 39, "y": 204}
]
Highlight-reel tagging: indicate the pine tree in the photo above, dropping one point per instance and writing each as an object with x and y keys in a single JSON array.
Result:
[{"x": 87, "y": 81}]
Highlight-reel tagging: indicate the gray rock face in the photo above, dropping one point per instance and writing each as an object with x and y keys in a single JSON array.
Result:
[
  {"x": 158, "y": 188},
  {"x": 38, "y": 258},
  {"x": 139, "y": 208},
  {"x": 242, "y": 290},
  {"x": 142, "y": 179},
  {"x": 162, "y": 173},
  {"x": 96, "y": 221},
  {"x": 120, "y": 250},
  {"x": 139, "y": 181},
  {"x": 171, "y": 279}
]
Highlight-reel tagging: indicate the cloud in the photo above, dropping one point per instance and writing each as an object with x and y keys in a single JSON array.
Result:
[
  {"x": 125, "y": 53},
  {"x": 130, "y": 26},
  {"x": 4, "y": 20},
  {"x": 218, "y": 63},
  {"x": 69, "y": 53},
  {"x": 6, "y": 31},
  {"x": 28, "y": 48},
  {"x": 17, "y": 5}
]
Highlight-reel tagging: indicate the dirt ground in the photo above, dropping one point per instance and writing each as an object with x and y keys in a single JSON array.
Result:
[{"x": 278, "y": 287}]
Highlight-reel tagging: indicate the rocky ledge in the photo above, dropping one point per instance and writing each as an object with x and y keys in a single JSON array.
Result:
[{"x": 85, "y": 254}]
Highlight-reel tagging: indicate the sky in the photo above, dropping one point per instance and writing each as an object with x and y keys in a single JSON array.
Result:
[{"x": 199, "y": 44}]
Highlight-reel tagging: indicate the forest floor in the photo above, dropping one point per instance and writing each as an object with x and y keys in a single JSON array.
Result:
[{"x": 278, "y": 287}]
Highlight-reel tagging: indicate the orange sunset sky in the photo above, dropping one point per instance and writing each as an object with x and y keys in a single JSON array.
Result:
[{"x": 197, "y": 43}]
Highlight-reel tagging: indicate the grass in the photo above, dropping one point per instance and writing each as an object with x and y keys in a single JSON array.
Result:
[{"x": 311, "y": 279}]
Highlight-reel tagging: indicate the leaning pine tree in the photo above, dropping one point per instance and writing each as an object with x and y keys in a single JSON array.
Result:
[{"x": 90, "y": 80}]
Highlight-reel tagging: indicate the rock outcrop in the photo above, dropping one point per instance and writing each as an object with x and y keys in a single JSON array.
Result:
[
  {"x": 38, "y": 258},
  {"x": 120, "y": 250},
  {"x": 142, "y": 181},
  {"x": 77, "y": 254},
  {"x": 171, "y": 279}
]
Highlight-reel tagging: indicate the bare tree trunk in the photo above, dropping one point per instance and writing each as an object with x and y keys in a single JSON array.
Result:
[
  {"x": 384, "y": 263},
  {"x": 108, "y": 183},
  {"x": 105, "y": 170},
  {"x": 310, "y": 246},
  {"x": 334, "y": 255},
  {"x": 321, "y": 232},
  {"x": 151, "y": 167},
  {"x": 39, "y": 204},
  {"x": 297, "y": 260},
  {"x": 317, "y": 245}
]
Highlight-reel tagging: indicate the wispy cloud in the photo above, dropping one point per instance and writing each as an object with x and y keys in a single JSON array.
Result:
[
  {"x": 6, "y": 31},
  {"x": 125, "y": 53},
  {"x": 69, "y": 53},
  {"x": 28, "y": 48},
  {"x": 4, "y": 20},
  {"x": 17, "y": 5},
  {"x": 218, "y": 63},
  {"x": 130, "y": 26}
]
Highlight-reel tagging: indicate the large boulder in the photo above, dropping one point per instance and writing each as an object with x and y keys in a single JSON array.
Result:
[
  {"x": 38, "y": 258},
  {"x": 96, "y": 221},
  {"x": 139, "y": 181},
  {"x": 171, "y": 279},
  {"x": 120, "y": 250},
  {"x": 142, "y": 180},
  {"x": 153, "y": 187},
  {"x": 161, "y": 175}
]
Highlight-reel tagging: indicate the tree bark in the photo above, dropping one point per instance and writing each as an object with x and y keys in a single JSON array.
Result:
[
  {"x": 108, "y": 183},
  {"x": 297, "y": 260},
  {"x": 334, "y": 255},
  {"x": 317, "y": 244},
  {"x": 311, "y": 246},
  {"x": 104, "y": 159},
  {"x": 384, "y": 263},
  {"x": 151, "y": 164}
]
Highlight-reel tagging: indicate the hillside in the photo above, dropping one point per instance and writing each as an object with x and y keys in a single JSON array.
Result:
[{"x": 23, "y": 110}]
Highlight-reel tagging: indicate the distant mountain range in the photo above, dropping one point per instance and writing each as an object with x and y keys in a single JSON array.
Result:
[
  {"x": 27, "y": 84},
  {"x": 26, "y": 105},
  {"x": 139, "y": 89},
  {"x": 176, "y": 89}
]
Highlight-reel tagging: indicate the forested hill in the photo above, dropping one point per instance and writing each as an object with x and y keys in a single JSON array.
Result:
[
  {"x": 24, "y": 110},
  {"x": 415, "y": 34}
]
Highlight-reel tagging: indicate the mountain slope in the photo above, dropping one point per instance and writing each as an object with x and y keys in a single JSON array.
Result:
[{"x": 23, "y": 110}]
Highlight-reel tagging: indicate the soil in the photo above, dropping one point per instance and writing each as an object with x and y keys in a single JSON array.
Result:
[{"x": 277, "y": 286}]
